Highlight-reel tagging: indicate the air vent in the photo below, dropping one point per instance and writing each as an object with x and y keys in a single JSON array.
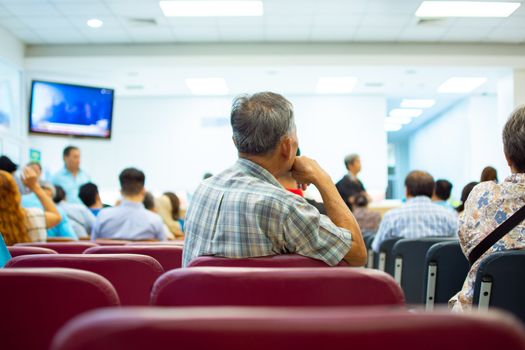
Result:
[
  {"x": 431, "y": 22},
  {"x": 142, "y": 22},
  {"x": 134, "y": 87},
  {"x": 372, "y": 84}
]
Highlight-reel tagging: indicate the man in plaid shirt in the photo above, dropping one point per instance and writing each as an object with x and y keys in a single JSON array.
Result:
[{"x": 245, "y": 212}]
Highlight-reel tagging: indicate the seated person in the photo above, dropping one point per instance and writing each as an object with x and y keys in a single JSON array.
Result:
[
  {"x": 489, "y": 174},
  {"x": 419, "y": 217},
  {"x": 5, "y": 256},
  {"x": 130, "y": 220},
  {"x": 367, "y": 219},
  {"x": 245, "y": 212},
  {"x": 442, "y": 191},
  {"x": 168, "y": 207},
  {"x": 64, "y": 228},
  {"x": 490, "y": 204},
  {"x": 88, "y": 194},
  {"x": 290, "y": 184},
  {"x": 464, "y": 195},
  {"x": 80, "y": 217},
  {"x": 18, "y": 224}
]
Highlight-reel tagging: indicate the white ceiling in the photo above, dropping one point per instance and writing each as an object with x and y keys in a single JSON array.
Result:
[{"x": 64, "y": 22}]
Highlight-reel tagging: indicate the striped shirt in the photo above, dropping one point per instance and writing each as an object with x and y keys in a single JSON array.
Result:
[
  {"x": 418, "y": 218},
  {"x": 36, "y": 224},
  {"x": 245, "y": 212}
]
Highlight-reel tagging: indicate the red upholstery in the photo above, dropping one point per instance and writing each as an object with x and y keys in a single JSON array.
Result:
[
  {"x": 285, "y": 260},
  {"x": 35, "y": 303},
  {"x": 286, "y": 329},
  {"x": 22, "y": 250},
  {"x": 206, "y": 286},
  {"x": 62, "y": 247},
  {"x": 111, "y": 242},
  {"x": 132, "y": 275},
  {"x": 170, "y": 257},
  {"x": 170, "y": 243}
]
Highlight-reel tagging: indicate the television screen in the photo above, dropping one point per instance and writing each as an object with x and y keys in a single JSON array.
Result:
[{"x": 65, "y": 109}]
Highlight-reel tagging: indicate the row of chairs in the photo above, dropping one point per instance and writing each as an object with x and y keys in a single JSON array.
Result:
[{"x": 432, "y": 270}]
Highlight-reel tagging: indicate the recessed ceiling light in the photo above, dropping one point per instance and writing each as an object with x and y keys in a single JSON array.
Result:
[
  {"x": 95, "y": 23},
  {"x": 398, "y": 120},
  {"x": 461, "y": 85},
  {"x": 389, "y": 126},
  {"x": 211, "y": 8},
  {"x": 466, "y": 9},
  {"x": 417, "y": 103},
  {"x": 207, "y": 86},
  {"x": 405, "y": 113},
  {"x": 335, "y": 85}
]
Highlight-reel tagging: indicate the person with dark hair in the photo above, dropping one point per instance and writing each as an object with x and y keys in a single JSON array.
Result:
[
  {"x": 130, "y": 220},
  {"x": 367, "y": 219},
  {"x": 489, "y": 174},
  {"x": 80, "y": 217},
  {"x": 245, "y": 212},
  {"x": 442, "y": 191},
  {"x": 419, "y": 217},
  {"x": 88, "y": 194},
  {"x": 71, "y": 177},
  {"x": 149, "y": 202},
  {"x": 350, "y": 185},
  {"x": 7, "y": 165},
  {"x": 464, "y": 195},
  {"x": 490, "y": 204}
]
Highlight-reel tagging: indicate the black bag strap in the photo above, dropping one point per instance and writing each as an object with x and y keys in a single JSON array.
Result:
[{"x": 496, "y": 235}]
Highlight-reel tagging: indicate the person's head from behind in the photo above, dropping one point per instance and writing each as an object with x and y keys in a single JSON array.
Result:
[
  {"x": 442, "y": 190},
  {"x": 465, "y": 193},
  {"x": 7, "y": 165},
  {"x": 514, "y": 140},
  {"x": 353, "y": 163},
  {"x": 149, "y": 202},
  {"x": 175, "y": 205},
  {"x": 264, "y": 128},
  {"x": 489, "y": 174},
  {"x": 60, "y": 194},
  {"x": 132, "y": 184},
  {"x": 12, "y": 216},
  {"x": 360, "y": 200},
  {"x": 419, "y": 183},
  {"x": 36, "y": 166},
  {"x": 88, "y": 194},
  {"x": 71, "y": 156}
]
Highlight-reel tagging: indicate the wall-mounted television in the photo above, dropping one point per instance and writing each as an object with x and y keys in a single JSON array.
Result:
[{"x": 73, "y": 110}]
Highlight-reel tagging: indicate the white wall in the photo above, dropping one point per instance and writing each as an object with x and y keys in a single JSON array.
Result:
[
  {"x": 460, "y": 143},
  {"x": 12, "y": 138},
  {"x": 176, "y": 140}
]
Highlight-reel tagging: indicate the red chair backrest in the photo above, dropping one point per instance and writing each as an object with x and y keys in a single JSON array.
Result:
[
  {"x": 111, "y": 242},
  {"x": 35, "y": 303},
  {"x": 169, "y": 243},
  {"x": 221, "y": 286},
  {"x": 23, "y": 250},
  {"x": 170, "y": 257},
  {"x": 62, "y": 247},
  {"x": 132, "y": 275},
  {"x": 284, "y": 260},
  {"x": 285, "y": 329}
]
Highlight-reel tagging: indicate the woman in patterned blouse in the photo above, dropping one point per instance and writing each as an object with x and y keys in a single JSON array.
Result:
[{"x": 489, "y": 204}]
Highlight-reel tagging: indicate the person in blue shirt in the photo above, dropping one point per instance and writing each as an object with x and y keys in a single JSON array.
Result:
[
  {"x": 4, "y": 253},
  {"x": 88, "y": 194},
  {"x": 441, "y": 195},
  {"x": 130, "y": 220},
  {"x": 71, "y": 177},
  {"x": 64, "y": 228}
]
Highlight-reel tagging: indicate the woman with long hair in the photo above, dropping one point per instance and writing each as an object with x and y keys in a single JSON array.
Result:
[
  {"x": 19, "y": 224},
  {"x": 168, "y": 207}
]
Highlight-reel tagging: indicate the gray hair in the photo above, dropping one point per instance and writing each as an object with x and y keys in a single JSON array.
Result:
[
  {"x": 48, "y": 185},
  {"x": 260, "y": 121},
  {"x": 514, "y": 138},
  {"x": 350, "y": 159}
]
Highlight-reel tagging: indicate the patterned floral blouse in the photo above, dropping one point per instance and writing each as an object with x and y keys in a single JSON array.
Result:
[{"x": 488, "y": 205}]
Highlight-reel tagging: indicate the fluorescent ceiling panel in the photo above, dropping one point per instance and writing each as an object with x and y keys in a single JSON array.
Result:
[
  {"x": 405, "y": 113},
  {"x": 461, "y": 85},
  {"x": 417, "y": 103},
  {"x": 398, "y": 120},
  {"x": 392, "y": 127},
  {"x": 429, "y": 9},
  {"x": 335, "y": 85},
  {"x": 207, "y": 86},
  {"x": 95, "y": 23},
  {"x": 211, "y": 8}
]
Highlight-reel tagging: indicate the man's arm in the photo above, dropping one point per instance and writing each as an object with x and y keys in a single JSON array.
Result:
[{"x": 307, "y": 171}]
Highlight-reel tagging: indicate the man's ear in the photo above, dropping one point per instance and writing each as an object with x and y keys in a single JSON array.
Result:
[
  {"x": 285, "y": 147},
  {"x": 509, "y": 162}
]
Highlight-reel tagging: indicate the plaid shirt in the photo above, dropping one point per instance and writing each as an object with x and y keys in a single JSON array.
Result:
[
  {"x": 418, "y": 218},
  {"x": 245, "y": 212}
]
